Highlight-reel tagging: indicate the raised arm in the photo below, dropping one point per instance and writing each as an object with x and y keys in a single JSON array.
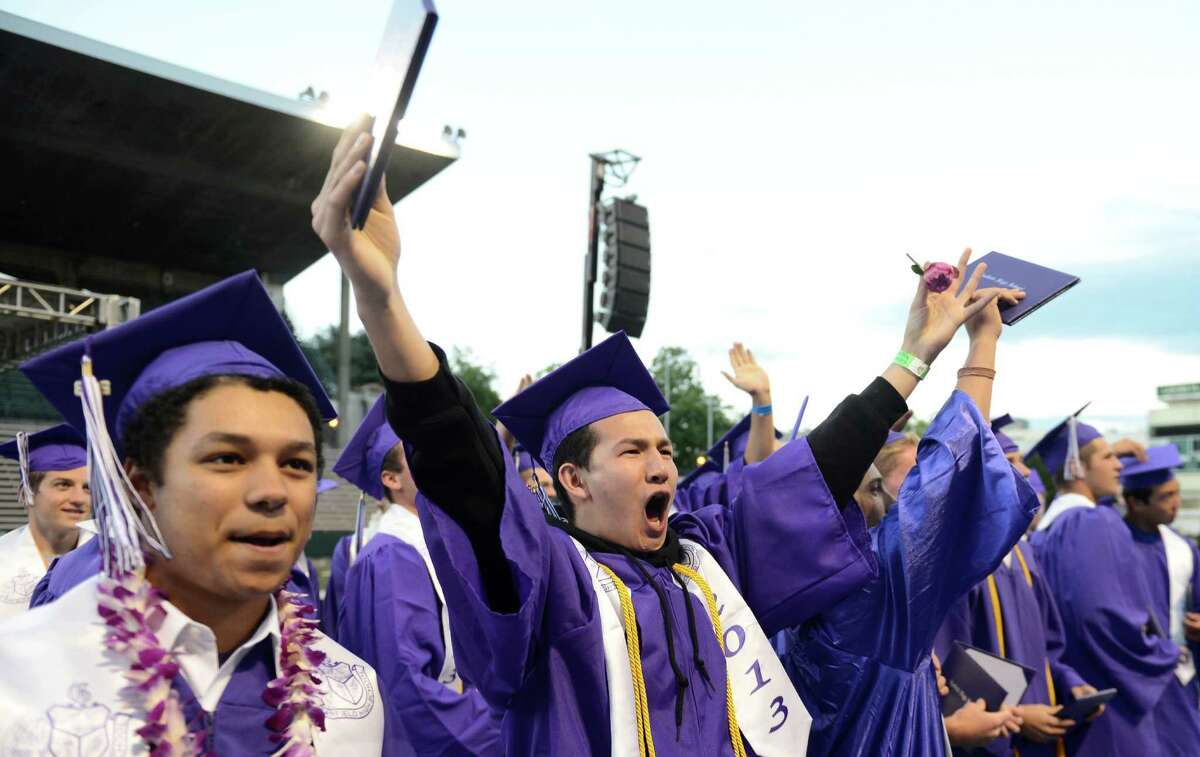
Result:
[
  {"x": 455, "y": 456},
  {"x": 368, "y": 258},
  {"x": 845, "y": 443},
  {"x": 752, "y": 379}
]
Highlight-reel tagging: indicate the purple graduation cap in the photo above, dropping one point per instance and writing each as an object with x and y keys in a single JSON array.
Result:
[
  {"x": 1060, "y": 447},
  {"x": 1159, "y": 468},
  {"x": 895, "y": 436},
  {"x": 1006, "y": 443},
  {"x": 325, "y": 485},
  {"x": 732, "y": 446},
  {"x": 361, "y": 461},
  {"x": 607, "y": 380},
  {"x": 229, "y": 328},
  {"x": 58, "y": 448}
]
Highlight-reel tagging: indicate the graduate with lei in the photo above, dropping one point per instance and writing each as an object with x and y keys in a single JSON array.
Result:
[
  {"x": 393, "y": 611},
  {"x": 53, "y": 487},
  {"x": 1169, "y": 562},
  {"x": 1086, "y": 552},
  {"x": 864, "y": 666},
  {"x": 615, "y": 631},
  {"x": 203, "y": 422},
  {"x": 1012, "y": 614}
]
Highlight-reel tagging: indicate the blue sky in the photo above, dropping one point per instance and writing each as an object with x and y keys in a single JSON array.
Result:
[{"x": 793, "y": 152}]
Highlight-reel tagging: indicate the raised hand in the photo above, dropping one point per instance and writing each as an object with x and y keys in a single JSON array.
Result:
[
  {"x": 368, "y": 257},
  {"x": 934, "y": 317},
  {"x": 748, "y": 375}
]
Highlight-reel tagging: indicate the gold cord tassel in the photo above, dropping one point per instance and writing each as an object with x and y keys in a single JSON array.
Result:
[
  {"x": 735, "y": 732},
  {"x": 634, "y": 648}
]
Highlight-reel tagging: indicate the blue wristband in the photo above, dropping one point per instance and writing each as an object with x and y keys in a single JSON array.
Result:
[{"x": 761, "y": 409}]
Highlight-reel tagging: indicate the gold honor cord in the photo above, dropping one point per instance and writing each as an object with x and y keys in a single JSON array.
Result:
[
  {"x": 735, "y": 733},
  {"x": 634, "y": 648},
  {"x": 1060, "y": 748}
]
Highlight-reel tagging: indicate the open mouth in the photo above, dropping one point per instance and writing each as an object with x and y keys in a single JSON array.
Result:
[
  {"x": 656, "y": 508},
  {"x": 263, "y": 539}
]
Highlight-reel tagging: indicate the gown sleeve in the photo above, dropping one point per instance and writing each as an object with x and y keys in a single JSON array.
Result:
[{"x": 390, "y": 616}]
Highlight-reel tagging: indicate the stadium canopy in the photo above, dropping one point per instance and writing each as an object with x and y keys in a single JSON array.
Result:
[{"x": 127, "y": 174}]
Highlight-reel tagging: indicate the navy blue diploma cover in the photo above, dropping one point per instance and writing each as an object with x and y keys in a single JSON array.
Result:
[
  {"x": 1040, "y": 284},
  {"x": 972, "y": 673}
]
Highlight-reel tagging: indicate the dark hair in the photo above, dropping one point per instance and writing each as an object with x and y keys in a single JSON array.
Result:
[
  {"x": 149, "y": 432},
  {"x": 1143, "y": 495},
  {"x": 577, "y": 450},
  {"x": 35, "y": 480},
  {"x": 392, "y": 464}
]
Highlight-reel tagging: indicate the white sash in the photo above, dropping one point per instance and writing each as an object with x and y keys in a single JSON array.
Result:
[
  {"x": 406, "y": 526},
  {"x": 770, "y": 713},
  {"x": 1180, "y": 571}
]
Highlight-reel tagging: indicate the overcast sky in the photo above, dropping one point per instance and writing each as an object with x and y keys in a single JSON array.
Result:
[{"x": 792, "y": 153}]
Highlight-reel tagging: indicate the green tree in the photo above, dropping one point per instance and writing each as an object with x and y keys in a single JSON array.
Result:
[
  {"x": 689, "y": 406},
  {"x": 480, "y": 379},
  {"x": 321, "y": 351},
  {"x": 916, "y": 426}
]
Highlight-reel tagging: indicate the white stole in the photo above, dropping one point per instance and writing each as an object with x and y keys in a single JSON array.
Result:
[
  {"x": 771, "y": 715},
  {"x": 1180, "y": 571},
  {"x": 406, "y": 526}
]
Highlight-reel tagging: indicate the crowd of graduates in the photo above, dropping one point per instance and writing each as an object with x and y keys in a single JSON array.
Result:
[{"x": 546, "y": 584}]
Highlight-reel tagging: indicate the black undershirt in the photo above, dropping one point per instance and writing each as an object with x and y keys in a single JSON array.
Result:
[{"x": 457, "y": 462}]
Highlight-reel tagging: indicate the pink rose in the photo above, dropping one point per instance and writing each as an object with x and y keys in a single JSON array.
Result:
[{"x": 939, "y": 276}]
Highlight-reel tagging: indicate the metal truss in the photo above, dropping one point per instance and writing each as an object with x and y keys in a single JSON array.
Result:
[{"x": 35, "y": 317}]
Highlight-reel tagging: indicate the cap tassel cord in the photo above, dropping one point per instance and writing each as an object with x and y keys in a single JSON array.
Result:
[
  {"x": 799, "y": 419},
  {"x": 725, "y": 462},
  {"x": 547, "y": 506},
  {"x": 359, "y": 526},
  {"x": 1073, "y": 463},
  {"x": 120, "y": 513},
  {"x": 25, "y": 492}
]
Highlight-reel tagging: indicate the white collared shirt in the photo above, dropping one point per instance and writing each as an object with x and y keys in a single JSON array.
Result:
[
  {"x": 60, "y": 691},
  {"x": 21, "y": 567}
]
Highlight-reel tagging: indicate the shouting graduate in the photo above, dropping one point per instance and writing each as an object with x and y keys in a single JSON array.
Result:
[
  {"x": 53, "y": 487},
  {"x": 203, "y": 423},
  {"x": 613, "y": 629},
  {"x": 393, "y": 611}
]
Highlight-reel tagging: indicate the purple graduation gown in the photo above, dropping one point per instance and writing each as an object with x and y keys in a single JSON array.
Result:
[
  {"x": 335, "y": 589},
  {"x": 1033, "y": 637},
  {"x": 1086, "y": 555},
  {"x": 83, "y": 562},
  {"x": 787, "y": 546},
  {"x": 390, "y": 616},
  {"x": 863, "y": 667},
  {"x": 712, "y": 488},
  {"x": 1177, "y": 713}
]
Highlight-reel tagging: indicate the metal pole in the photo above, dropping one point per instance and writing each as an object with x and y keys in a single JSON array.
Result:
[
  {"x": 343, "y": 364},
  {"x": 590, "y": 262},
  {"x": 710, "y": 413}
]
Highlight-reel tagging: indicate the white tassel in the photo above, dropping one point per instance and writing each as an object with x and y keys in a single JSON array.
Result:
[
  {"x": 359, "y": 525},
  {"x": 1073, "y": 465},
  {"x": 25, "y": 492},
  {"x": 725, "y": 462},
  {"x": 121, "y": 515}
]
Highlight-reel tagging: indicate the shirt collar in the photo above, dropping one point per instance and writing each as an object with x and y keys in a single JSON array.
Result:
[
  {"x": 195, "y": 648},
  {"x": 1060, "y": 505}
]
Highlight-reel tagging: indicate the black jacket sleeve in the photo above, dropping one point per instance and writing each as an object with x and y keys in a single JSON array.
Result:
[
  {"x": 845, "y": 444},
  {"x": 457, "y": 463}
]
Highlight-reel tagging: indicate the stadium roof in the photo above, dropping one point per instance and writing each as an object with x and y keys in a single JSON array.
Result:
[{"x": 127, "y": 174}]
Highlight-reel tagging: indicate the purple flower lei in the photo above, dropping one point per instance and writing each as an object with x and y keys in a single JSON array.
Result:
[{"x": 132, "y": 609}]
